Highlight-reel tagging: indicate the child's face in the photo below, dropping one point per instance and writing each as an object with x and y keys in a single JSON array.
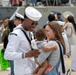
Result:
[{"x": 49, "y": 33}]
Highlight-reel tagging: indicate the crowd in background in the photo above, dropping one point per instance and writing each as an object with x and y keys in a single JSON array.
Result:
[
  {"x": 10, "y": 3},
  {"x": 67, "y": 24}
]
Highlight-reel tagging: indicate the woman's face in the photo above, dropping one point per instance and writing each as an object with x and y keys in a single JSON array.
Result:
[
  {"x": 66, "y": 20},
  {"x": 6, "y": 23},
  {"x": 49, "y": 33}
]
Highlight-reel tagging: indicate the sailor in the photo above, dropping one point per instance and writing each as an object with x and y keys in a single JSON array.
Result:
[
  {"x": 18, "y": 19},
  {"x": 18, "y": 48}
]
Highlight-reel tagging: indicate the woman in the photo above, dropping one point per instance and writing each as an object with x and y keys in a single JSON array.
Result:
[
  {"x": 72, "y": 20},
  {"x": 54, "y": 35},
  {"x": 72, "y": 40},
  {"x": 70, "y": 31},
  {"x": 5, "y": 35},
  {"x": 40, "y": 43}
]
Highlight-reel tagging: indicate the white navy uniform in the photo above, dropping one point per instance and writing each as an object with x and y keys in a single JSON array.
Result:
[{"x": 19, "y": 45}]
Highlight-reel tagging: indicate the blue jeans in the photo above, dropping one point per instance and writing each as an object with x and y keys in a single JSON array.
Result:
[
  {"x": 12, "y": 66},
  {"x": 54, "y": 71}
]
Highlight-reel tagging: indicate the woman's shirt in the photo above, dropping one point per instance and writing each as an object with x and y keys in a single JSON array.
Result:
[
  {"x": 70, "y": 31},
  {"x": 52, "y": 56}
]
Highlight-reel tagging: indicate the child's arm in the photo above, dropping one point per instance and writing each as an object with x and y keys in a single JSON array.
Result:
[
  {"x": 50, "y": 67},
  {"x": 41, "y": 68},
  {"x": 36, "y": 70},
  {"x": 49, "y": 48}
]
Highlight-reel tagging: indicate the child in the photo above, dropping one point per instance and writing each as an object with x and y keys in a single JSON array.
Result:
[{"x": 40, "y": 43}]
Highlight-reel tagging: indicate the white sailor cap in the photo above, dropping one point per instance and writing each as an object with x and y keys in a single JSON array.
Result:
[
  {"x": 19, "y": 16},
  {"x": 67, "y": 13},
  {"x": 33, "y": 13}
]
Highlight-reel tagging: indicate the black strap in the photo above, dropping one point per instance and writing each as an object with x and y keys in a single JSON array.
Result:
[
  {"x": 26, "y": 37},
  {"x": 13, "y": 34},
  {"x": 61, "y": 58}
]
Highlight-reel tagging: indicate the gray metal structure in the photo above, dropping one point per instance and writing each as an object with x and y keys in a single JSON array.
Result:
[{"x": 7, "y": 12}]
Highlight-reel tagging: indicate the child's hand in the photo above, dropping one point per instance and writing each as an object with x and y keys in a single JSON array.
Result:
[{"x": 50, "y": 67}]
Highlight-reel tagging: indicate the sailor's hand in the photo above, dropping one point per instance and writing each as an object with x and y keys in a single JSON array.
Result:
[{"x": 32, "y": 53}]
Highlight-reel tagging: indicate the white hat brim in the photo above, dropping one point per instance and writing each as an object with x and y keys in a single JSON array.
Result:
[
  {"x": 19, "y": 15},
  {"x": 67, "y": 13}
]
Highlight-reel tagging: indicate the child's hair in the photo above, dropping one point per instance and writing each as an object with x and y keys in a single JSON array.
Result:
[{"x": 40, "y": 34}]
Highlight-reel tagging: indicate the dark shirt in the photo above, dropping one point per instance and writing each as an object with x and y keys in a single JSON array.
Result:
[{"x": 5, "y": 36}]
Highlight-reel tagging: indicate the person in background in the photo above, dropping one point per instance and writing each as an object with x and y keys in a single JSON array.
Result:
[
  {"x": 14, "y": 2},
  {"x": 51, "y": 17},
  {"x": 11, "y": 25},
  {"x": 70, "y": 31},
  {"x": 18, "y": 48},
  {"x": 5, "y": 35},
  {"x": 33, "y": 2},
  {"x": 5, "y": 32},
  {"x": 18, "y": 19},
  {"x": 1, "y": 28},
  {"x": 72, "y": 20},
  {"x": 71, "y": 34},
  {"x": 73, "y": 59},
  {"x": 1, "y": 21},
  {"x": 20, "y": 2},
  {"x": 59, "y": 17}
]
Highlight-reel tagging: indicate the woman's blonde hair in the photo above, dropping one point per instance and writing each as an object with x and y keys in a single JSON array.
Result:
[{"x": 58, "y": 33}]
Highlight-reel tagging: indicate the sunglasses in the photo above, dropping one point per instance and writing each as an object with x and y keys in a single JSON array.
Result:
[{"x": 34, "y": 23}]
